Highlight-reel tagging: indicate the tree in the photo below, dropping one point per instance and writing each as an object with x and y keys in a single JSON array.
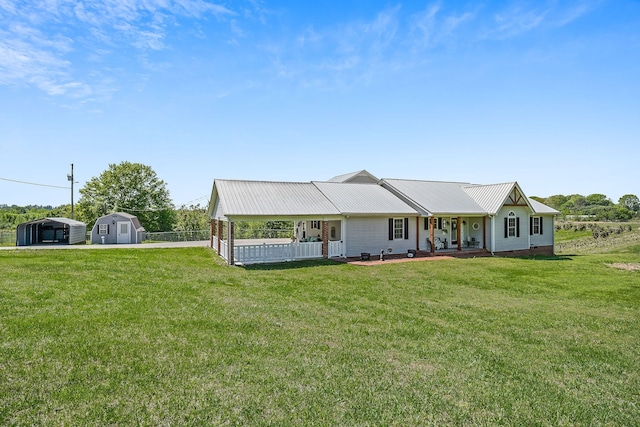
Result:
[
  {"x": 598, "y": 200},
  {"x": 630, "y": 201},
  {"x": 128, "y": 187},
  {"x": 193, "y": 218}
]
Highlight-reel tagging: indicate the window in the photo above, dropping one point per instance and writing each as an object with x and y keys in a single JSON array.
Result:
[
  {"x": 536, "y": 225},
  {"x": 103, "y": 229},
  {"x": 315, "y": 224},
  {"x": 511, "y": 226},
  {"x": 333, "y": 232},
  {"x": 398, "y": 228}
]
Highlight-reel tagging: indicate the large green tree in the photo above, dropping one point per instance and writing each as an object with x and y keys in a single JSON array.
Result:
[
  {"x": 630, "y": 201},
  {"x": 128, "y": 187}
]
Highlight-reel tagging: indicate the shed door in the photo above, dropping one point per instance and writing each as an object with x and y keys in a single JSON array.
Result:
[{"x": 123, "y": 232}]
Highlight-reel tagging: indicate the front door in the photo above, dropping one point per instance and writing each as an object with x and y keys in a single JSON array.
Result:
[
  {"x": 123, "y": 232},
  {"x": 454, "y": 231}
]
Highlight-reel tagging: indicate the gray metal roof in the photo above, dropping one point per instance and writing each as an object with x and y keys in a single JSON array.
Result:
[
  {"x": 357, "y": 177},
  {"x": 68, "y": 221},
  {"x": 371, "y": 199},
  {"x": 491, "y": 197},
  {"x": 134, "y": 219},
  {"x": 264, "y": 198},
  {"x": 541, "y": 208},
  {"x": 435, "y": 197},
  {"x": 391, "y": 197}
]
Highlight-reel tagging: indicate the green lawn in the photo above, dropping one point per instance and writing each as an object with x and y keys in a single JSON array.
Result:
[{"x": 174, "y": 337}]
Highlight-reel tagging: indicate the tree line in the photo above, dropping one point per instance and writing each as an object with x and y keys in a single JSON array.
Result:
[
  {"x": 597, "y": 207},
  {"x": 136, "y": 189},
  {"x": 133, "y": 188}
]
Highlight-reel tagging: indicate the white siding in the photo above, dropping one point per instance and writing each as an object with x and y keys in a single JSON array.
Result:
[
  {"x": 372, "y": 235},
  {"x": 512, "y": 243},
  {"x": 546, "y": 238}
]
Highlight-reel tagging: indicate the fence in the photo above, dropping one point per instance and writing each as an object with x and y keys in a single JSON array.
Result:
[
  {"x": 7, "y": 237},
  {"x": 177, "y": 236},
  {"x": 251, "y": 254}
]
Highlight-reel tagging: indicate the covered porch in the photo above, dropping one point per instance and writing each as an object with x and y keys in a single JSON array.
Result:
[
  {"x": 447, "y": 233},
  {"x": 316, "y": 245}
]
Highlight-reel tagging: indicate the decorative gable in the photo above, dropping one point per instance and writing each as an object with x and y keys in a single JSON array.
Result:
[{"x": 516, "y": 198}]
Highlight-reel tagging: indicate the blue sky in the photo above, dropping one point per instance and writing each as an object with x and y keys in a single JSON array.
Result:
[{"x": 546, "y": 93}]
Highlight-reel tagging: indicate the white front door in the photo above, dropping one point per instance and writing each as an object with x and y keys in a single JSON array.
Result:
[{"x": 123, "y": 232}]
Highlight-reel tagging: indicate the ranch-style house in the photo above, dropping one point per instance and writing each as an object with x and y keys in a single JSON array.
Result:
[{"x": 359, "y": 215}]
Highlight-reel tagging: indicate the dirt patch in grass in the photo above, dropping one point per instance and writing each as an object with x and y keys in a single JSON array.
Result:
[{"x": 629, "y": 266}]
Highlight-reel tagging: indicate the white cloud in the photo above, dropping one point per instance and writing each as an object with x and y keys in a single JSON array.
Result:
[
  {"x": 518, "y": 20},
  {"x": 44, "y": 42}
]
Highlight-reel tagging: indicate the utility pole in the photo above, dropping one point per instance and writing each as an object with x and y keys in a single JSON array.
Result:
[{"x": 70, "y": 178}]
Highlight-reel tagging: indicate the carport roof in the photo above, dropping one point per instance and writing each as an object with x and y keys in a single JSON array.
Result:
[{"x": 55, "y": 219}]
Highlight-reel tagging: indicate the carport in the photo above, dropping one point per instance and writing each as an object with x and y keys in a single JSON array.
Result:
[{"x": 51, "y": 231}]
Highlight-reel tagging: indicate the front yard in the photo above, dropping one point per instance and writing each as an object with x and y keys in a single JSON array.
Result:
[{"x": 174, "y": 337}]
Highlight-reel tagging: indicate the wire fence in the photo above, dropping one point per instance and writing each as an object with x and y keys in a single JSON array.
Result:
[
  {"x": 263, "y": 233},
  {"x": 177, "y": 236},
  {"x": 7, "y": 237}
]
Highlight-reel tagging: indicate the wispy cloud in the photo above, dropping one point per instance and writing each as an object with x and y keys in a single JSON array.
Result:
[
  {"x": 44, "y": 43},
  {"x": 519, "y": 19}
]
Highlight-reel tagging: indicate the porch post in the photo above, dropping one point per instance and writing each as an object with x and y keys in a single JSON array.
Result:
[
  {"x": 417, "y": 233},
  {"x": 459, "y": 219},
  {"x": 484, "y": 232},
  {"x": 325, "y": 239},
  {"x": 230, "y": 242},
  {"x": 219, "y": 234},
  {"x": 431, "y": 233},
  {"x": 213, "y": 232}
]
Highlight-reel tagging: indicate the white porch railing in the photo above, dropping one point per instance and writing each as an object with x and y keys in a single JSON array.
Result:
[
  {"x": 276, "y": 252},
  {"x": 252, "y": 254}
]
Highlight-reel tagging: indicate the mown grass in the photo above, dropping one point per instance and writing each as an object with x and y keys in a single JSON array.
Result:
[{"x": 173, "y": 337}]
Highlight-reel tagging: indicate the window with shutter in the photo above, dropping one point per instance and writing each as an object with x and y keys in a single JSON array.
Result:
[
  {"x": 536, "y": 225},
  {"x": 511, "y": 225},
  {"x": 398, "y": 228}
]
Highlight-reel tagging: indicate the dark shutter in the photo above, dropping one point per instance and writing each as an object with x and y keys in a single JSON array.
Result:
[
  {"x": 506, "y": 228},
  {"x": 530, "y": 226},
  {"x": 439, "y": 223},
  {"x": 540, "y": 225},
  {"x": 518, "y": 226},
  {"x": 406, "y": 228},
  {"x": 107, "y": 228},
  {"x": 390, "y": 228},
  {"x": 426, "y": 223}
]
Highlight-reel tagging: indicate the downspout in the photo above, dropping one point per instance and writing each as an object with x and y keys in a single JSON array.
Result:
[
  {"x": 493, "y": 234},
  {"x": 343, "y": 236}
]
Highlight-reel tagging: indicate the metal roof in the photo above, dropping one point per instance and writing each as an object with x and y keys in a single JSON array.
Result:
[
  {"x": 491, "y": 197},
  {"x": 265, "y": 198},
  {"x": 541, "y": 208},
  {"x": 359, "y": 176},
  {"x": 363, "y": 199},
  {"x": 435, "y": 197},
  {"x": 68, "y": 221},
  {"x": 134, "y": 219},
  {"x": 389, "y": 197}
]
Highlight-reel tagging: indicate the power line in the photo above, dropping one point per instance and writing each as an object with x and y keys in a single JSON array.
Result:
[{"x": 33, "y": 183}]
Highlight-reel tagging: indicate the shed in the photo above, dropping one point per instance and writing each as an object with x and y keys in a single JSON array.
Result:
[
  {"x": 117, "y": 227},
  {"x": 51, "y": 231}
]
